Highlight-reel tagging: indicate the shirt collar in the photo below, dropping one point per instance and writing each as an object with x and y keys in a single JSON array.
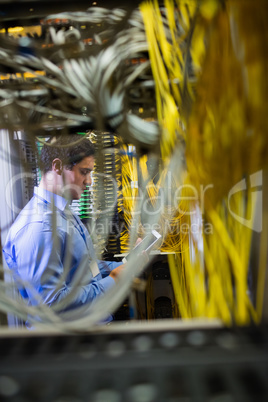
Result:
[{"x": 50, "y": 197}]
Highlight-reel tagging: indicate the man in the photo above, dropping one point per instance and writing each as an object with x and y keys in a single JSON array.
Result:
[{"x": 48, "y": 248}]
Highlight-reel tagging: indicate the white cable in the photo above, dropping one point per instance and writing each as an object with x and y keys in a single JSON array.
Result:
[
  {"x": 53, "y": 112},
  {"x": 75, "y": 82}
]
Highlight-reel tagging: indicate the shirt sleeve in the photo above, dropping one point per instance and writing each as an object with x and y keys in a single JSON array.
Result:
[
  {"x": 42, "y": 267},
  {"x": 106, "y": 267}
]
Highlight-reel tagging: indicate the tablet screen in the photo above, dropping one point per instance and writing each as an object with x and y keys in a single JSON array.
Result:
[{"x": 147, "y": 244}]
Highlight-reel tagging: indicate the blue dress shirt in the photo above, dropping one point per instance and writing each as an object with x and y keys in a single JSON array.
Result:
[{"x": 50, "y": 250}]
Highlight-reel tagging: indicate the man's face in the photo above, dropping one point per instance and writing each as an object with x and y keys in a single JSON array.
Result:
[{"x": 77, "y": 179}]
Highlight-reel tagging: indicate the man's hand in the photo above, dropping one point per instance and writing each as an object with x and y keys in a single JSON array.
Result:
[
  {"x": 116, "y": 272},
  {"x": 139, "y": 239}
]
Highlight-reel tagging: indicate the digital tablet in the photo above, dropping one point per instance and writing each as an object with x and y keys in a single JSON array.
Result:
[{"x": 147, "y": 244}]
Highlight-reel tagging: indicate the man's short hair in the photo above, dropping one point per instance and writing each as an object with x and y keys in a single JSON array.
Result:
[{"x": 70, "y": 149}]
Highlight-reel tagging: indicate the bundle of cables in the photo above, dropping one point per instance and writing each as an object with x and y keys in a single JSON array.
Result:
[{"x": 208, "y": 62}]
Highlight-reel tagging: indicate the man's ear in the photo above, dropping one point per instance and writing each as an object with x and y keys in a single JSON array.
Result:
[{"x": 57, "y": 166}]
